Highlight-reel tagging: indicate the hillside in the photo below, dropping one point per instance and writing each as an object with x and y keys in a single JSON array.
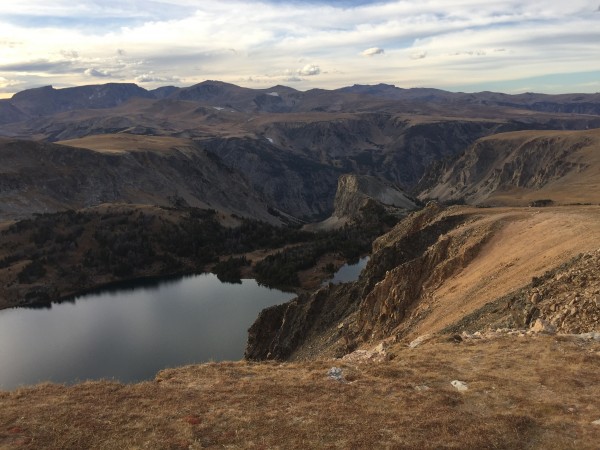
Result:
[
  {"x": 520, "y": 167},
  {"x": 40, "y": 177},
  {"x": 428, "y": 273},
  {"x": 535, "y": 392}
]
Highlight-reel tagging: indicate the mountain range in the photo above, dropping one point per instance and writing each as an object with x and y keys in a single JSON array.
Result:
[{"x": 280, "y": 148}]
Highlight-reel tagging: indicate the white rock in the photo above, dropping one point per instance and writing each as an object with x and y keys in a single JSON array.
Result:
[
  {"x": 380, "y": 348},
  {"x": 596, "y": 422},
  {"x": 459, "y": 385},
  {"x": 591, "y": 336},
  {"x": 541, "y": 326},
  {"x": 418, "y": 341}
]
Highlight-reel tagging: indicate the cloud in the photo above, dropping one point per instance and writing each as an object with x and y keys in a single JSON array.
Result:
[
  {"x": 418, "y": 55},
  {"x": 152, "y": 78},
  {"x": 70, "y": 54},
  {"x": 8, "y": 86},
  {"x": 40, "y": 65},
  {"x": 9, "y": 44},
  {"x": 97, "y": 73},
  {"x": 373, "y": 51},
  {"x": 309, "y": 70},
  {"x": 169, "y": 40}
]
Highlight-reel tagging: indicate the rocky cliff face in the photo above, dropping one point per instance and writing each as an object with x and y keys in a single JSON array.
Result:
[
  {"x": 524, "y": 165},
  {"x": 355, "y": 193},
  {"x": 448, "y": 270},
  {"x": 294, "y": 184},
  {"x": 405, "y": 264}
]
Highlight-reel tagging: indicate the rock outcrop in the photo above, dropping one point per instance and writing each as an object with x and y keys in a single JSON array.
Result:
[
  {"x": 570, "y": 299},
  {"x": 448, "y": 270},
  {"x": 418, "y": 253},
  {"x": 357, "y": 193}
]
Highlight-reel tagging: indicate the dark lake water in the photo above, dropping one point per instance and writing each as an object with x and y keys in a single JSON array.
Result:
[
  {"x": 130, "y": 334},
  {"x": 349, "y": 272}
]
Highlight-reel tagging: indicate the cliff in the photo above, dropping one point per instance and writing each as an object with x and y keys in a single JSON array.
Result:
[
  {"x": 521, "y": 167},
  {"x": 40, "y": 177},
  {"x": 357, "y": 193},
  {"x": 434, "y": 269}
]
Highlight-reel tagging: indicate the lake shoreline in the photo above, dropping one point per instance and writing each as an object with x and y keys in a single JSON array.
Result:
[{"x": 130, "y": 332}]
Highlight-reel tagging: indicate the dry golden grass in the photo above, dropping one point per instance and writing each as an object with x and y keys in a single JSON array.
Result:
[
  {"x": 119, "y": 143},
  {"x": 533, "y": 392},
  {"x": 552, "y": 235}
]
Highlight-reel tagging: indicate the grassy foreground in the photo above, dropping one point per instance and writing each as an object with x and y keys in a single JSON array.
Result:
[{"x": 523, "y": 392}]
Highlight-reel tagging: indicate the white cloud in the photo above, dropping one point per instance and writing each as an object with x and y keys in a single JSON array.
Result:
[
  {"x": 309, "y": 70},
  {"x": 438, "y": 43},
  {"x": 373, "y": 51},
  {"x": 418, "y": 55},
  {"x": 69, "y": 54},
  {"x": 153, "y": 78}
]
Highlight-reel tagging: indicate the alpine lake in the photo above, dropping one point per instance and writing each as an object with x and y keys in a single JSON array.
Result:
[{"x": 131, "y": 331}]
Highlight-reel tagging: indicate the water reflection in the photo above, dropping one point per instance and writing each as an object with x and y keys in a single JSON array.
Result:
[
  {"x": 130, "y": 332},
  {"x": 349, "y": 272}
]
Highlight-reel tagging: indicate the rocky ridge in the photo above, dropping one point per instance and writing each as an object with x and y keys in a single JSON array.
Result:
[
  {"x": 415, "y": 255},
  {"x": 520, "y": 167},
  {"x": 428, "y": 256}
]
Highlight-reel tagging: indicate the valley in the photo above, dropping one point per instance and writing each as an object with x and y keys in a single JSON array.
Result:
[{"x": 479, "y": 214}]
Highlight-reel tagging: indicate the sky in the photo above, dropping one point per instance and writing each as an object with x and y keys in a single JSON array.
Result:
[{"x": 511, "y": 46}]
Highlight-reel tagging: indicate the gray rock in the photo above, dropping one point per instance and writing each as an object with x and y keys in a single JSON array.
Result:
[{"x": 335, "y": 373}]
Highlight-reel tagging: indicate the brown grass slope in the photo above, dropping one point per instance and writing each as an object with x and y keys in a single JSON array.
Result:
[{"x": 523, "y": 393}]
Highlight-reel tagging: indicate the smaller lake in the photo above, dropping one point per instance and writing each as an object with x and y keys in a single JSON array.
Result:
[
  {"x": 349, "y": 272},
  {"x": 129, "y": 334}
]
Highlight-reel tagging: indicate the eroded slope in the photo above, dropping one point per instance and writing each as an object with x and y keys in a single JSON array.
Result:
[
  {"x": 39, "y": 177},
  {"x": 521, "y": 167},
  {"x": 429, "y": 272}
]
